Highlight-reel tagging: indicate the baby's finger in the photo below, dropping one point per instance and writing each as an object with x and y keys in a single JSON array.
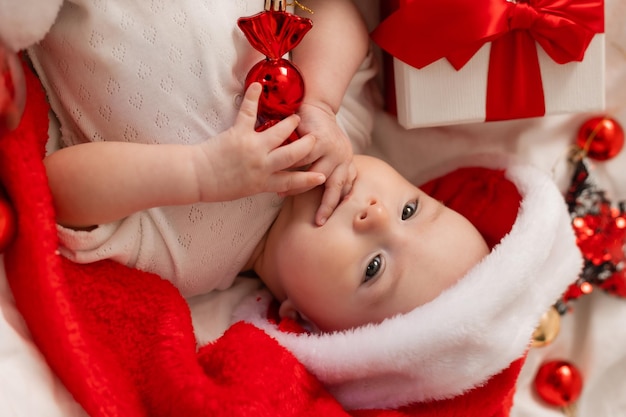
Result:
[
  {"x": 330, "y": 198},
  {"x": 287, "y": 182},
  {"x": 338, "y": 185},
  {"x": 312, "y": 157},
  {"x": 296, "y": 191},
  {"x": 278, "y": 133},
  {"x": 285, "y": 157},
  {"x": 249, "y": 105}
]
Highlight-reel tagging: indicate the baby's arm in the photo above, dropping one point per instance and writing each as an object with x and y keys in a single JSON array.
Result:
[
  {"x": 99, "y": 182},
  {"x": 328, "y": 57}
]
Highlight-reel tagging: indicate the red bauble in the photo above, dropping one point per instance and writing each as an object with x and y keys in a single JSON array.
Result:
[
  {"x": 12, "y": 90},
  {"x": 558, "y": 383},
  {"x": 283, "y": 88},
  {"x": 603, "y": 135},
  {"x": 7, "y": 223}
]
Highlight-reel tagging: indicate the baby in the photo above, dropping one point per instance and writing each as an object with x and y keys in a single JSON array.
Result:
[{"x": 385, "y": 229}]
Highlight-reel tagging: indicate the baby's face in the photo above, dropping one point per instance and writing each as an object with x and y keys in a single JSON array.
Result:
[{"x": 387, "y": 249}]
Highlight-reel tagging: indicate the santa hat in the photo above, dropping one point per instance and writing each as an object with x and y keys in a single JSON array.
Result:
[
  {"x": 474, "y": 329},
  {"x": 122, "y": 341}
]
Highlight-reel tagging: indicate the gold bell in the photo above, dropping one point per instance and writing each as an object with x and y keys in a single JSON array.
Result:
[{"x": 548, "y": 328}]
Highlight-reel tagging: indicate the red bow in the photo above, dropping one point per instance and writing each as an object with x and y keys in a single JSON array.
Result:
[{"x": 420, "y": 32}]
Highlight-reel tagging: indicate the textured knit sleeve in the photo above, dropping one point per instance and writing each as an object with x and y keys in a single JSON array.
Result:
[
  {"x": 356, "y": 114},
  {"x": 123, "y": 241},
  {"x": 198, "y": 247}
]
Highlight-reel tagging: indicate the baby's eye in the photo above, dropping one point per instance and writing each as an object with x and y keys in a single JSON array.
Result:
[
  {"x": 409, "y": 210},
  {"x": 373, "y": 268}
]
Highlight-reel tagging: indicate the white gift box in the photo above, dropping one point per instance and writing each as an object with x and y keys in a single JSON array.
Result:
[{"x": 439, "y": 95}]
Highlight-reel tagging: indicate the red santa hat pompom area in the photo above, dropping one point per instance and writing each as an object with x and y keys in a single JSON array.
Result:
[{"x": 122, "y": 340}]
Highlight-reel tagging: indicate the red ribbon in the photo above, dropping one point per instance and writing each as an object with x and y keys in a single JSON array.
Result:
[{"x": 421, "y": 32}]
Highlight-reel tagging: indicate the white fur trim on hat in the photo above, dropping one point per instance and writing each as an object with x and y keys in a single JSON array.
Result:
[
  {"x": 25, "y": 22},
  {"x": 469, "y": 333}
]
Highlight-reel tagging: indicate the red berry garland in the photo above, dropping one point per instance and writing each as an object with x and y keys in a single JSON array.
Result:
[
  {"x": 599, "y": 225},
  {"x": 600, "y": 229}
]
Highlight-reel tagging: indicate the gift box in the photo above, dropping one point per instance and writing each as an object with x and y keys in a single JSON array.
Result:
[{"x": 459, "y": 61}]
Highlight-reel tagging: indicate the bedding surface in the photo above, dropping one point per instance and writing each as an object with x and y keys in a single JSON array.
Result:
[{"x": 592, "y": 336}]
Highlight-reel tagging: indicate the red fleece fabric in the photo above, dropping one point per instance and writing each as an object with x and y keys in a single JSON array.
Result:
[
  {"x": 484, "y": 196},
  {"x": 122, "y": 342}
]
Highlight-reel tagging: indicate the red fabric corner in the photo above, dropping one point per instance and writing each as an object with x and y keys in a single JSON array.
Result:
[{"x": 494, "y": 399}]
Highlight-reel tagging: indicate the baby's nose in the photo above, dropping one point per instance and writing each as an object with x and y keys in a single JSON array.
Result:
[{"x": 374, "y": 216}]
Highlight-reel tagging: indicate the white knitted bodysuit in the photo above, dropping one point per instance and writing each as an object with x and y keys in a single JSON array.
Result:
[{"x": 163, "y": 72}]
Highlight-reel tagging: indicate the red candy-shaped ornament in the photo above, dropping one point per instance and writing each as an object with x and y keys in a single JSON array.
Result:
[
  {"x": 274, "y": 32},
  {"x": 283, "y": 88}
]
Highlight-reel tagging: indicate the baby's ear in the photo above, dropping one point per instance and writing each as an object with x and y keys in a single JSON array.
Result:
[{"x": 288, "y": 310}]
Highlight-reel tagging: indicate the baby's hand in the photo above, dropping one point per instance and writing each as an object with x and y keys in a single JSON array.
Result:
[
  {"x": 241, "y": 162},
  {"x": 331, "y": 156}
]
